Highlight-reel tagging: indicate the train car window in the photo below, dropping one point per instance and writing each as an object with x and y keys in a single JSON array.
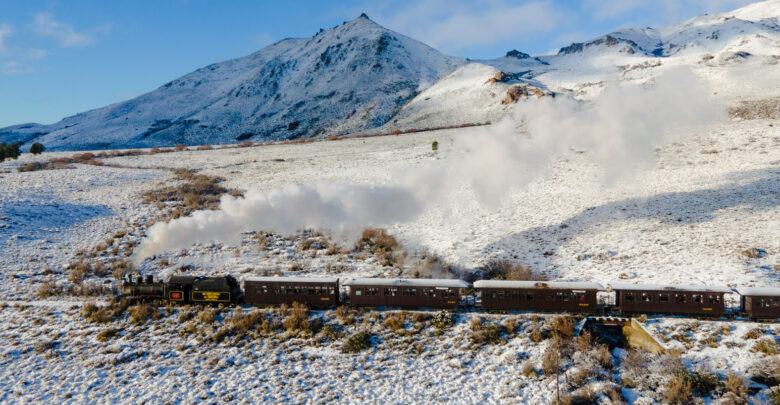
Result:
[
  {"x": 282, "y": 290},
  {"x": 647, "y": 297},
  {"x": 413, "y": 292},
  {"x": 393, "y": 292},
  {"x": 501, "y": 295},
  {"x": 371, "y": 291},
  {"x": 714, "y": 299},
  {"x": 331, "y": 290},
  {"x": 257, "y": 290},
  {"x": 529, "y": 296},
  {"x": 297, "y": 290},
  {"x": 276, "y": 290},
  {"x": 358, "y": 291},
  {"x": 663, "y": 298},
  {"x": 629, "y": 297},
  {"x": 265, "y": 289},
  {"x": 311, "y": 291},
  {"x": 680, "y": 298},
  {"x": 775, "y": 302},
  {"x": 697, "y": 298},
  {"x": 318, "y": 290}
]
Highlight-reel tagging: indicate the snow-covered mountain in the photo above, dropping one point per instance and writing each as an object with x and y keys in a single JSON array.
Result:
[
  {"x": 345, "y": 79},
  {"x": 360, "y": 76}
]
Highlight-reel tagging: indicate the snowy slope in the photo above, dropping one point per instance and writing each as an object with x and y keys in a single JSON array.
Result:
[{"x": 349, "y": 78}]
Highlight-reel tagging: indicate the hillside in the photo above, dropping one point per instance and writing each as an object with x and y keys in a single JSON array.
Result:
[{"x": 345, "y": 79}]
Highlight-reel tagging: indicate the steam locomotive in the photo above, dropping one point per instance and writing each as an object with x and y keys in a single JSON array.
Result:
[{"x": 539, "y": 296}]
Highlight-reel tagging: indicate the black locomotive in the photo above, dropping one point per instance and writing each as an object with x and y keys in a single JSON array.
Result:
[{"x": 183, "y": 290}]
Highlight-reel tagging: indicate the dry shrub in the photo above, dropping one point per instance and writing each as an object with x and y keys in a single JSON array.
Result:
[
  {"x": 78, "y": 272},
  {"x": 677, "y": 390},
  {"x": 483, "y": 333},
  {"x": 603, "y": 356},
  {"x": 754, "y": 333},
  {"x": 93, "y": 313},
  {"x": 241, "y": 322},
  {"x": 197, "y": 191},
  {"x": 186, "y": 315},
  {"x": 245, "y": 144},
  {"x": 506, "y": 270},
  {"x": 47, "y": 289},
  {"x": 180, "y": 147},
  {"x": 207, "y": 315},
  {"x": 204, "y": 147},
  {"x": 119, "y": 269},
  {"x": 108, "y": 334},
  {"x": 766, "y": 346},
  {"x": 536, "y": 335},
  {"x": 143, "y": 312},
  {"x": 736, "y": 385},
  {"x": 443, "y": 320},
  {"x": 99, "y": 269},
  {"x": 296, "y": 319},
  {"x": 528, "y": 369},
  {"x": 510, "y": 325},
  {"x": 551, "y": 360},
  {"x": 357, "y": 342},
  {"x": 346, "y": 315},
  {"x": 562, "y": 326},
  {"x": 395, "y": 321}
]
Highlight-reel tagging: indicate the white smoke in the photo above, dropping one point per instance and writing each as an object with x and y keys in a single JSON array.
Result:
[{"x": 619, "y": 130}]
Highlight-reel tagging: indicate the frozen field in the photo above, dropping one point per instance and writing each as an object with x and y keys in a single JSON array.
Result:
[{"x": 688, "y": 219}]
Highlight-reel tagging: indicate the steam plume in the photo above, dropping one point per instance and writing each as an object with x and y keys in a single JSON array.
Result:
[{"x": 619, "y": 130}]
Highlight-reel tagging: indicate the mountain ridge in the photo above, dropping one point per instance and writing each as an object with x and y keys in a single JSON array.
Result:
[{"x": 359, "y": 76}]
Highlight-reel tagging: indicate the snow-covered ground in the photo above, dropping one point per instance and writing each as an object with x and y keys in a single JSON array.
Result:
[{"x": 686, "y": 220}]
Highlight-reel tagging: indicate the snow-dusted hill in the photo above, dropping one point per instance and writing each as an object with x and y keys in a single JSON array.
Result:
[
  {"x": 360, "y": 76},
  {"x": 346, "y": 79}
]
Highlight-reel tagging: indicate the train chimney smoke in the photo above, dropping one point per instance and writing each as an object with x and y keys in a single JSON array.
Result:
[{"x": 619, "y": 130}]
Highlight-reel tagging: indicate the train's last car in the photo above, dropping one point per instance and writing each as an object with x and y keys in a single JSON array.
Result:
[
  {"x": 407, "y": 293},
  {"x": 760, "y": 303},
  {"x": 668, "y": 299},
  {"x": 312, "y": 291},
  {"x": 538, "y": 295}
]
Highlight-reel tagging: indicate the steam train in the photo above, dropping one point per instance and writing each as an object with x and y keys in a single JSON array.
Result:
[{"x": 498, "y": 295}]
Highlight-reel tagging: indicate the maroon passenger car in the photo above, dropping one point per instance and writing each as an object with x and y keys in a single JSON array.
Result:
[
  {"x": 670, "y": 299},
  {"x": 312, "y": 291},
  {"x": 760, "y": 303},
  {"x": 538, "y": 295},
  {"x": 407, "y": 293}
]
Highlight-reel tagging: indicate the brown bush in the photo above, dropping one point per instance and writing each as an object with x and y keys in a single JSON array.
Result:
[
  {"x": 506, "y": 270},
  {"x": 207, "y": 315},
  {"x": 204, "y": 147},
  {"x": 47, "y": 289},
  {"x": 677, "y": 390},
  {"x": 395, "y": 321},
  {"x": 483, "y": 333},
  {"x": 246, "y": 144},
  {"x": 736, "y": 385},
  {"x": 143, "y": 312},
  {"x": 78, "y": 272},
  {"x": 180, "y": 147},
  {"x": 297, "y": 319},
  {"x": 551, "y": 359}
]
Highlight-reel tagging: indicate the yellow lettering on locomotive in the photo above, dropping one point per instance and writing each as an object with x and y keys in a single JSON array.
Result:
[
  {"x": 707, "y": 309},
  {"x": 211, "y": 296},
  {"x": 584, "y": 305},
  {"x": 451, "y": 302},
  {"x": 324, "y": 299}
]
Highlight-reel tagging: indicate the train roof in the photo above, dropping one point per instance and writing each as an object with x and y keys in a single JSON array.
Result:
[
  {"x": 663, "y": 287},
  {"x": 759, "y": 291},
  {"x": 412, "y": 282},
  {"x": 294, "y": 279},
  {"x": 564, "y": 285}
]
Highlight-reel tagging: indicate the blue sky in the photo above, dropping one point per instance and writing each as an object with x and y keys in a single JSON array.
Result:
[{"x": 59, "y": 58}]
